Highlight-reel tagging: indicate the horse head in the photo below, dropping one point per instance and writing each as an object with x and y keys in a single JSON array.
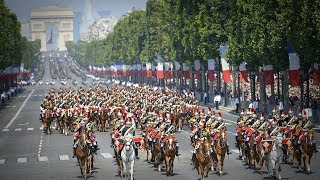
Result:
[
  {"x": 223, "y": 139},
  {"x": 205, "y": 147},
  {"x": 278, "y": 141}
]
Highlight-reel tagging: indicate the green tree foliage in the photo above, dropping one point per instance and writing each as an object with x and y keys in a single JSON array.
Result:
[
  {"x": 29, "y": 50},
  {"x": 10, "y": 50},
  {"x": 255, "y": 31}
]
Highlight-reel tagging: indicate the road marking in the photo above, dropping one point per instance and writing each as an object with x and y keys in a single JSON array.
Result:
[
  {"x": 229, "y": 121},
  {"x": 18, "y": 129},
  {"x": 35, "y": 95},
  {"x": 64, "y": 157},
  {"x": 23, "y": 124},
  {"x": 106, "y": 155},
  {"x": 235, "y": 151},
  {"x": 2, "y": 161},
  {"x": 44, "y": 158},
  {"x": 14, "y": 106},
  {"x": 5, "y": 130},
  {"x": 24, "y": 96},
  {"x": 228, "y": 124},
  {"x": 231, "y": 133},
  {"x": 41, "y": 128},
  {"x": 30, "y": 129},
  {"x": 22, "y": 160},
  {"x": 16, "y": 115}
]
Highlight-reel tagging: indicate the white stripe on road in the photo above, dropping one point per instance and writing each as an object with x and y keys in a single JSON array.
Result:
[
  {"x": 30, "y": 129},
  {"x": 16, "y": 115},
  {"x": 64, "y": 157},
  {"x": 44, "y": 158},
  {"x": 18, "y": 129},
  {"x": 106, "y": 155},
  {"x": 235, "y": 151},
  {"x": 2, "y": 161},
  {"x": 5, "y": 130},
  {"x": 22, "y": 160}
]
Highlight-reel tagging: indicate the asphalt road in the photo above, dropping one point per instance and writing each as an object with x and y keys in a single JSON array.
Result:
[{"x": 27, "y": 153}]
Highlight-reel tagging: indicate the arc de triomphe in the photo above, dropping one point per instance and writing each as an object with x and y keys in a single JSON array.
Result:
[{"x": 44, "y": 17}]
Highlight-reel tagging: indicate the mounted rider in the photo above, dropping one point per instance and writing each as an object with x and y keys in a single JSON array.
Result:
[{"x": 84, "y": 125}]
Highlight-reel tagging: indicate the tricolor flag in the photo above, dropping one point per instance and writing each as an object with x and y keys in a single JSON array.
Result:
[
  {"x": 267, "y": 145},
  {"x": 154, "y": 70},
  {"x": 94, "y": 69},
  {"x": 149, "y": 70},
  {"x": 124, "y": 69},
  {"x": 294, "y": 79},
  {"x": 103, "y": 70},
  {"x": 90, "y": 68},
  {"x": 186, "y": 73},
  {"x": 139, "y": 68},
  {"x": 177, "y": 68},
  {"x": 225, "y": 65},
  {"x": 49, "y": 40},
  {"x": 143, "y": 70},
  {"x": 211, "y": 70},
  {"x": 288, "y": 142},
  {"x": 197, "y": 69},
  {"x": 243, "y": 72},
  {"x": 268, "y": 74},
  {"x": 160, "y": 73},
  {"x": 119, "y": 68},
  {"x": 168, "y": 70},
  {"x": 316, "y": 74}
]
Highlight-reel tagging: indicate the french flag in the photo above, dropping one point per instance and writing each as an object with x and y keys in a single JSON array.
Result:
[
  {"x": 124, "y": 69},
  {"x": 197, "y": 69},
  {"x": 243, "y": 73},
  {"x": 149, "y": 70},
  {"x": 268, "y": 74},
  {"x": 186, "y": 73},
  {"x": 225, "y": 65},
  {"x": 154, "y": 70},
  {"x": 119, "y": 68},
  {"x": 294, "y": 78},
  {"x": 160, "y": 73},
  {"x": 211, "y": 70}
]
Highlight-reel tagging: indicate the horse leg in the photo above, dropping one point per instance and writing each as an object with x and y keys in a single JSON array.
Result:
[
  {"x": 131, "y": 169},
  {"x": 167, "y": 165},
  {"x": 124, "y": 169},
  {"x": 85, "y": 168},
  {"x": 308, "y": 164}
]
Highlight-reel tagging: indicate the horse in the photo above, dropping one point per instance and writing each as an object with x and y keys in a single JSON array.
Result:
[
  {"x": 203, "y": 158},
  {"x": 274, "y": 158},
  {"x": 307, "y": 147},
  {"x": 221, "y": 149},
  {"x": 170, "y": 151},
  {"x": 47, "y": 122},
  {"x": 83, "y": 152},
  {"x": 128, "y": 155}
]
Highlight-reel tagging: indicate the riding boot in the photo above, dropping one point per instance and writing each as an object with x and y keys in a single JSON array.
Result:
[
  {"x": 178, "y": 151},
  {"x": 136, "y": 152},
  {"x": 74, "y": 150},
  {"x": 95, "y": 149},
  {"x": 193, "y": 158},
  {"x": 228, "y": 152}
]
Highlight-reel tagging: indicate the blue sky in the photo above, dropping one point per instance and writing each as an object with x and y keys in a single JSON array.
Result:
[{"x": 22, "y": 8}]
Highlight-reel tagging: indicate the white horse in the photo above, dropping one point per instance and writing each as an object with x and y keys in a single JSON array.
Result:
[
  {"x": 128, "y": 155},
  {"x": 274, "y": 159}
]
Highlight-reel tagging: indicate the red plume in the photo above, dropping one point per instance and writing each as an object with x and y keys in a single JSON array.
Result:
[
  {"x": 262, "y": 114},
  {"x": 202, "y": 111},
  {"x": 219, "y": 113},
  {"x": 209, "y": 108}
]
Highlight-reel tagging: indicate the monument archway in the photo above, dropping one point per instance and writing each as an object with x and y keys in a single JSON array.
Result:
[{"x": 59, "y": 19}]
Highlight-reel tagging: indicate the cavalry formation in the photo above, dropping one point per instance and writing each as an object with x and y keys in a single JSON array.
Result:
[
  {"x": 158, "y": 114},
  {"x": 275, "y": 139}
]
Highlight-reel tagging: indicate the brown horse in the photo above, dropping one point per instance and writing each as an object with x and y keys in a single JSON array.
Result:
[
  {"x": 307, "y": 147},
  {"x": 170, "y": 151},
  {"x": 147, "y": 142},
  {"x": 203, "y": 158},
  {"x": 83, "y": 153},
  {"x": 158, "y": 154},
  {"x": 47, "y": 122},
  {"x": 221, "y": 149},
  {"x": 103, "y": 118}
]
